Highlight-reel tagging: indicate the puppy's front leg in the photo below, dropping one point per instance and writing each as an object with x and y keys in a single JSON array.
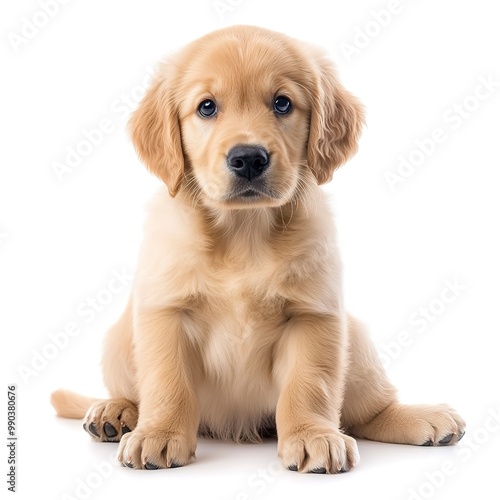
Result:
[
  {"x": 166, "y": 431},
  {"x": 311, "y": 364}
]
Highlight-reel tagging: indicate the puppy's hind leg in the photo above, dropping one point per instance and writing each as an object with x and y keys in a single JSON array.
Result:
[
  {"x": 108, "y": 419},
  {"x": 371, "y": 409}
]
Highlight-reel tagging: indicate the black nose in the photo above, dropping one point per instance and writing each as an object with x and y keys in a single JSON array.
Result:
[{"x": 248, "y": 161}]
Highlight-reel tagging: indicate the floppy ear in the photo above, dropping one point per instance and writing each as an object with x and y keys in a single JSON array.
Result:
[
  {"x": 156, "y": 134},
  {"x": 336, "y": 122}
]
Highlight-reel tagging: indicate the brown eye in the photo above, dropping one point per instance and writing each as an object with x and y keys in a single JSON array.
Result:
[
  {"x": 207, "y": 108},
  {"x": 282, "y": 105}
]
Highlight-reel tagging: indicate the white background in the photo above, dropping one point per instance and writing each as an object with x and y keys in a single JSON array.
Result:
[{"x": 61, "y": 240}]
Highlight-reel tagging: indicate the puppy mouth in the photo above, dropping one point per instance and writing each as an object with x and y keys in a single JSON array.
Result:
[
  {"x": 242, "y": 193},
  {"x": 250, "y": 193}
]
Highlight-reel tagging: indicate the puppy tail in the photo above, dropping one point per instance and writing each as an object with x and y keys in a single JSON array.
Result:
[{"x": 69, "y": 404}]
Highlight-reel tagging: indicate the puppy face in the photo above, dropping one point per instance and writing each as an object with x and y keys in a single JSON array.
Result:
[
  {"x": 241, "y": 115},
  {"x": 244, "y": 118}
]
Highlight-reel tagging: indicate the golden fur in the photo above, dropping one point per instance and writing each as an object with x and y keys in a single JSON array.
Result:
[{"x": 236, "y": 323}]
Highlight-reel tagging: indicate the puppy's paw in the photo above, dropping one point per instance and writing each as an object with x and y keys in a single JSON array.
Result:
[
  {"x": 421, "y": 425},
  {"x": 110, "y": 419},
  {"x": 435, "y": 425},
  {"x": 321, "y": 451},
  {"x": 156, "y": 449}
]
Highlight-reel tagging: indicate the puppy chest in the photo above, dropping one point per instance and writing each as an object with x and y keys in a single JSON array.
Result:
[{"x": 239, "y": 330}]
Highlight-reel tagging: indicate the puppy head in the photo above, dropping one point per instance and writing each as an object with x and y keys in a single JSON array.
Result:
[{"x": 241, "y": 115}]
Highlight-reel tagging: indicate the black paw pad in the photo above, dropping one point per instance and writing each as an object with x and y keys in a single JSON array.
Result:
[
  {"x": 319, "y": 470},
  {"x": 84, "y": 427},
  {"x": 109, "y": 430},
  {"x": 174, "y": 465},
  {"x": 428, "y": 443},
  {"x": 125, "y": 429},
  {"x": 150, "y": 466},
  {"x": 460, "y": 436},
  {"x": 129, "y": 465},
  {"x": 293, "y": 467},
  {"x": 446, "y": 439},
  {"x": 93, "y": 430}
]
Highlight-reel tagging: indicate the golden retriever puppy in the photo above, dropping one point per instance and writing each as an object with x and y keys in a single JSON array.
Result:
[{"x": 236, "y": 327}]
